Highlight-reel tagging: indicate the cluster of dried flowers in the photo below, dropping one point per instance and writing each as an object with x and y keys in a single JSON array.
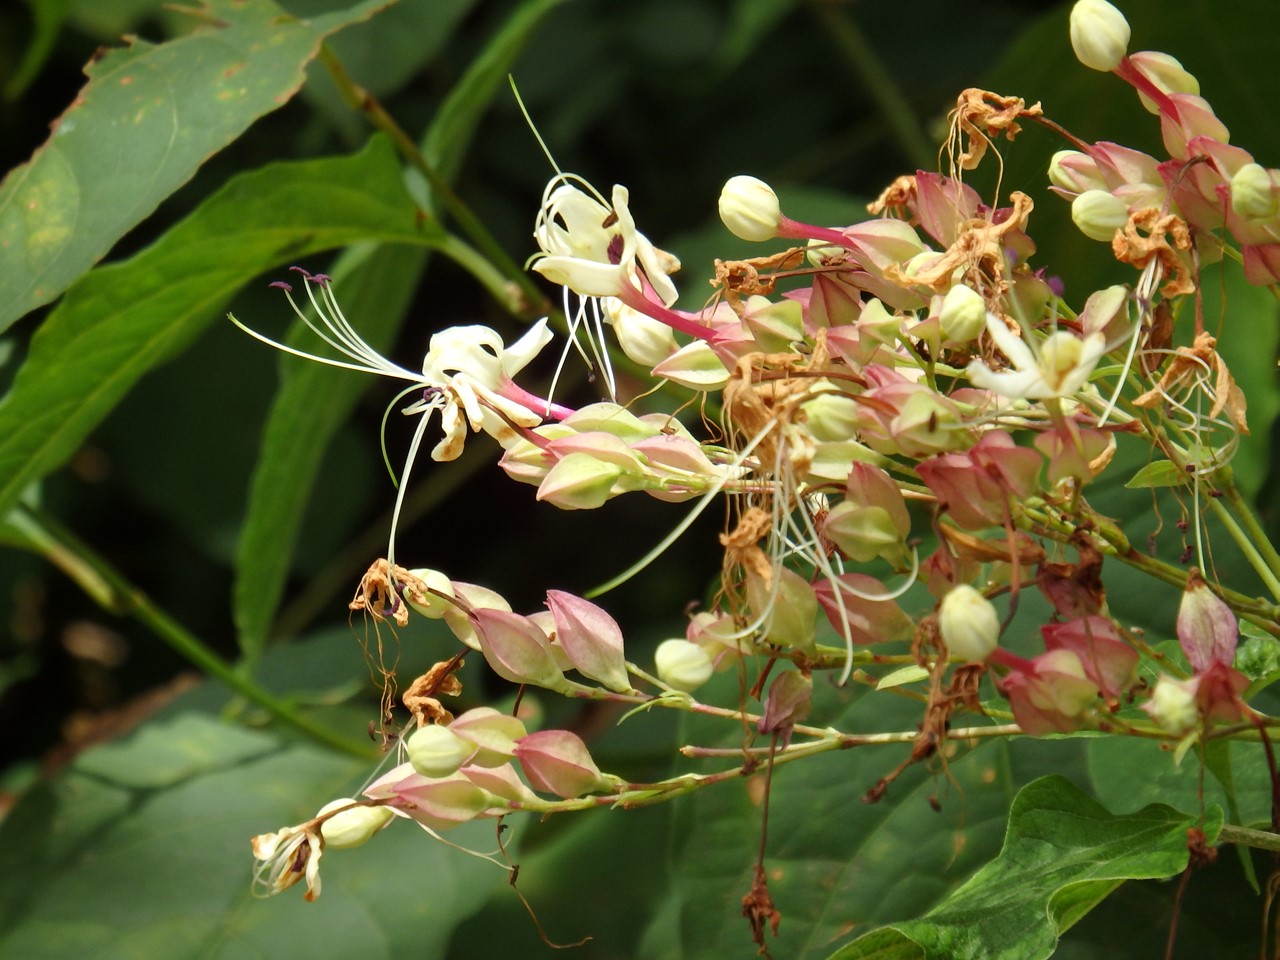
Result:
[{"x": 919, "y": 380}]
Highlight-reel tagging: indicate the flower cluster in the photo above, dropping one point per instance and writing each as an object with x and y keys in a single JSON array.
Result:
[{"x": 904, "y": 402}]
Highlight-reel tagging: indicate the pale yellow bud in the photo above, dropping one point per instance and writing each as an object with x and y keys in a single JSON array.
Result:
[
  {"x": 969, "y": 624},
  {"x": 1099, "y": 34}
]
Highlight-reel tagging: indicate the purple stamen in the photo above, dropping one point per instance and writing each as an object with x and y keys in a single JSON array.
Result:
[
  {"x": 321, "y": 278},
  {"x": 614, "y": 250},
  {"x": 281, "y": 285}
]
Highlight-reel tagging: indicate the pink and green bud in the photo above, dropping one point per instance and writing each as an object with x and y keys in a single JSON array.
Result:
[
  {"x": 499, "y": 781},
  {"x": 1207, "y": 629},
  {"x": 1104, "y": 312},
  {"x": 695, "y": 366},
  {"x": 719, "y": 636},
  {"x": 851, "y": 611},
  {"x": 789, "y": 701},
  {"x": 436, "y": 751},
  {"x": 558, "y": 762},
  {"x": 1050, "y": 693},
  {"x": 438, "y": 803},
  {"x": 682, "y": 665},
  {"x": 968, "y": 623},
  {"x": 1108, "y": 661},
  {"x": 787, "y": 607},
  {"x": 590, "y": 638},
  {"x": 750, "y": 209},
  {"x": 1099, "y": 214},
  {"x": 1166, "y": 73},
  {"x": 517, "y": 649},
  {"x": 472, "y": 597},
  {"x": 831, "y": 417},
  {"x": 611, "y": 418},
  {"x": 775, "y": 326},
  {"x": 354, "y": 826},
  {"x": 1073, "y": 172},
  {"x": 491, "y": 734},
  {"x": 579, "y": 481},
  {"x": 1099, "y": 34},
  {"x": 863, "y": 533}
]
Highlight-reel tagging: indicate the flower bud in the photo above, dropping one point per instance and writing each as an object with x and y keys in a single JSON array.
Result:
[
  {"x": 579, "y": 481},
  {"x": 682, "y": 665},
  {"x": 1207, "y": 629},
  {"x": 1099, "y": 34},
  {"x": 591, "y": 639},
  {"x": 750, "y": 209},
  {"x": 501, "y": 781},
  {"x": 516, "y": 649},
  {"x": 1173, "y": 705},
  {"x": 1253, "y": 193},
  {"x": 557, "y": 761},
  {"x": 428, "y": 604},
  {"x": 436, "y": 802},
  {"x": 861, "y": 533},
  {"x": 1166, "y": 73},
  {"x": 788, "y": 702},
  {"x": 964, "y": 314},
  {"x": 969, "y": 623},
  {"x": 1104, "y": 312},
  {"x": 696, "y": 366},
  {"x": 436, "y": 751},
  {"x": 473, "y": 597},
  {"x": 831, "y": 417},
  {"x": 1099, "y": 215},
  {"x": 774, "y": 325},
  {"x": 354, "y": 826},
  {"x": 643, "y": 339},
  {"x": 1074, "y": 172},
  {"x": 493, "y": 735},
  {"x": 789, "y": 612}
]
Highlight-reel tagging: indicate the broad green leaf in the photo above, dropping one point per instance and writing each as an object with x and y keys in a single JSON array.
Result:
[
  {"x": 376, "y": 287},
  {"x": 1063, "y": 853},
  {"x": 124, "y": 318},
  {"x": 154, "y": 861},
  {"x": 1158, "y": 473},
  {"x": 148, "y": 118}
]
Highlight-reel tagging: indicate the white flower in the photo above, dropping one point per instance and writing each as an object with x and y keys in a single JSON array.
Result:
[
  {"x": 1062, "y": 366},
  {"x": 466, "y": 373},
  {"x": 285, "y": 857},
  {"x": 593, "y": 248}
]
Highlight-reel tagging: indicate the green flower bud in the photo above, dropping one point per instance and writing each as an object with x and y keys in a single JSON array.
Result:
[
  {"x": 492, "y": 733},
  {"x": 1075, "y": 172},
  {"x": 436, "y": 751},
  {"x": 964, "y": 314},
  {"x": 1099, "y": 34},
  {"x": 579, "y": 482},
  {"x": 1099, "y": 214},
  {"x": 354, "y": 826},
  {"x": 969, "y": 624},
  {"x": 750, "y": 208},
  {"x": 695, "y": 366},
  {"x": 682, "y": 665},
  {"x": 1253, "y": 193}
]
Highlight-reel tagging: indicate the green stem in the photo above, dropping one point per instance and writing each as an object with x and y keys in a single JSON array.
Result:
[
  {"x": 1225, "y": 480},
  {"x": 1246, "y": 837},
  {"x": 114, "y": 593},
  {"x": 531, "y": 302},
  {"x": 1247, "y": 547},
  {"x": 894, "y": 107}
]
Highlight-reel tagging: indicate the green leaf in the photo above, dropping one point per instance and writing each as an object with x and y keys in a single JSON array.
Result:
[
  {"x": 376, "y": 287},
  {"x": 148, "y": 118},
  {"x": 1063, "y": 854},
  {"x": 122, "y": 319},
  {"x": 1158, "y": 473},
  {"x": 141, "y": 850}
]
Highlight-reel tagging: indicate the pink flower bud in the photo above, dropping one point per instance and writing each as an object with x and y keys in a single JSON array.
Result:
[
  {"x": 557, "y": 761},
  {"x": 788, "y": 702},
  {"x": 500, "y": 781},
  {"x": 493, "y": 735},
  {"x": 516, "y": 649},
  {"x": 1207, "y": 629},
  {"x": 775, "y": 326},
  {"x": 579, "y": 482},
  {"x": 590, "y": 638},
  {"x": 1108, "y": 661},
  {"x": 696, "y": 366},
  {"x": 1049, "y": 693},
  {"x": 1072, "y": 172},
  {"x": 869, "y": 621},
  {"x": 439, "y": 803}
]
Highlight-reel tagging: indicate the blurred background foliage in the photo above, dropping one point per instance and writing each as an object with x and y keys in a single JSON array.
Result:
[{"x": 826, "y": 100}]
